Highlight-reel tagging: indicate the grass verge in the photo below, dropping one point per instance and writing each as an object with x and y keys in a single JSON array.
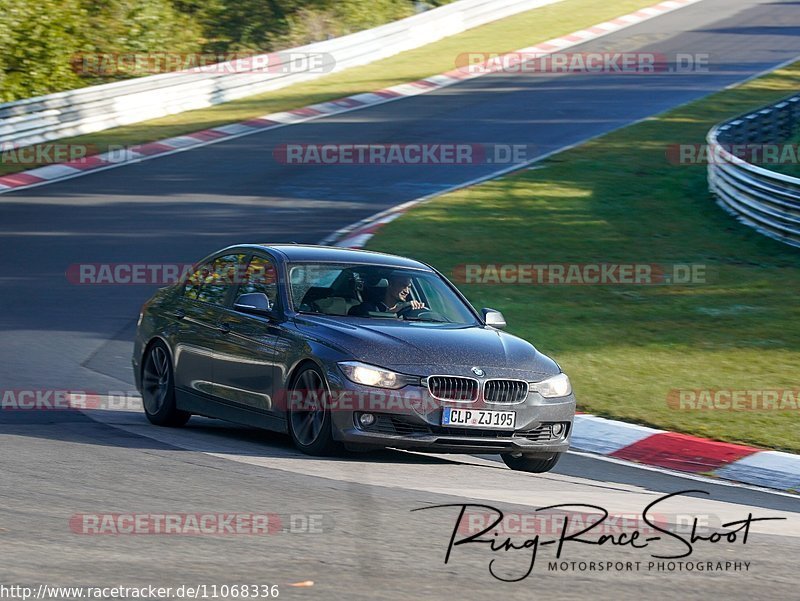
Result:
[
  {"x": 505, "y": 35},
  {"x": 618, "y": 199}
]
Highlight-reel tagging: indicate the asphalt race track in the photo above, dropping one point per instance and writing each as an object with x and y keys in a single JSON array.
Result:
[{"x": 57, "y": 335}]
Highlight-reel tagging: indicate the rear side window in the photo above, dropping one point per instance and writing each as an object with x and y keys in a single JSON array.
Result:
[{"x": 212, "y": 281}]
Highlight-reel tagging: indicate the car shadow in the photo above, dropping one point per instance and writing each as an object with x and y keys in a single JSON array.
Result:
[
  {"x": 216, "y": 437},
  {"x": 203, "y": 435}
]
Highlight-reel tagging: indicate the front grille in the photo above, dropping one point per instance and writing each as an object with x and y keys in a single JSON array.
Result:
[
  {"x": 453, "y": 388},
  {"x": 470, "y": 432},
  {"x": 505, "y": 391},
  {"x": 543, "y": 433},
  {"x": 390, "y": 424}
]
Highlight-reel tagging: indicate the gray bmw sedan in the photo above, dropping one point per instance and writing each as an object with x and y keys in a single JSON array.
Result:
[{"x": 347, "y": 348}]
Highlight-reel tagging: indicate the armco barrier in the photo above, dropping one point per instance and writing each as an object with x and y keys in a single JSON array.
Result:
[
  {"x": 765, "y": 200},
  {"x": 86, "y": 110}
]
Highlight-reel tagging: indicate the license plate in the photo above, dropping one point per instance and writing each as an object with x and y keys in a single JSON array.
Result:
[{"x": 479, "y": 418}]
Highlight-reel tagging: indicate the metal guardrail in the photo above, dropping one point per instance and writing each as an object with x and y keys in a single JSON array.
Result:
[
  {"x": 765, "y": 200},
  {"x": 95, "y": 108}
]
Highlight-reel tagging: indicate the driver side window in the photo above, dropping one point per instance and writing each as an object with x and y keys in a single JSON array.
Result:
[{"x": 260, "y": 276}]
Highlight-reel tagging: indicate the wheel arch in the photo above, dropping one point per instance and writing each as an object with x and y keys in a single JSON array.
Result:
[
  {"x": 300, "y": 365},
  {"x": 150, "y": 344}
]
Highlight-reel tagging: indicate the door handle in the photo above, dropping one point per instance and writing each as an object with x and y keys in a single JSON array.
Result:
[
  {"x": 179, "y": 314},
  {"x": 225, "y": 328}
]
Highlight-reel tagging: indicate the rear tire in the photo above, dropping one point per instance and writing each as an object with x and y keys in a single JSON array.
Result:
[
  {"x": 158, "y": 389},
  {"x": 310, "y": 421},
  {"x": 529, "y": 463}
]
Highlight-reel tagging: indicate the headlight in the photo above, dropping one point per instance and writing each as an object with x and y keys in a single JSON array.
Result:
[
  {"x": 552, "y": 387},
  {"x": 369, "y": 375}
]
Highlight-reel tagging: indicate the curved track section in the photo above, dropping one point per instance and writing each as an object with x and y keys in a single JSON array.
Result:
[{"x": 56, "y": 335}]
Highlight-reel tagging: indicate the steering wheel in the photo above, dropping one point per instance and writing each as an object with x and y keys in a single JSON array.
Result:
[
  {"x": 409, "y": 312},
  {"x": 425, "y": 313}
]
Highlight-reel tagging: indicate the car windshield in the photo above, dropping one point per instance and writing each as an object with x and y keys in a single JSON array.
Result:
[{"x": 376, "y": 292}]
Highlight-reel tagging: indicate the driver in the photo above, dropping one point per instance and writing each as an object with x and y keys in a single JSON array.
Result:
[{"x": 393, "y": 300}]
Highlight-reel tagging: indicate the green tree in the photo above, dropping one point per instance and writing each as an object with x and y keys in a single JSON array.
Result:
[
  {"x": 53, "y": 45},
  {"x": 318, "y": 21},
  {"x": 248, "y": 25},
  {"x": 154, "y": 27},
  {"x": 37, "y": 43}
]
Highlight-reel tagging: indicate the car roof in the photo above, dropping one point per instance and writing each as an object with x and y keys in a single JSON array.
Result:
[{"x": 312, "y": 253}]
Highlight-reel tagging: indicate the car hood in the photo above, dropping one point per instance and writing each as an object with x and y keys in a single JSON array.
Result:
[{"x": 422, "y": 348}]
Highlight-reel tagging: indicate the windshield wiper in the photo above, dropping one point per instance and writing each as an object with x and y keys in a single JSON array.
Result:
[{"x": 427, "y": 319}]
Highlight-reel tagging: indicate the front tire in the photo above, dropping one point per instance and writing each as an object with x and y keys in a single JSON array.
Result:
[
  {"x": 309, "y": 416},
  {"x": 158, "y": 389},
  {"x": 528, "y": 463}
]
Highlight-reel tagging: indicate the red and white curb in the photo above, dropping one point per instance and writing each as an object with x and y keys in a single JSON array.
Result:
[
  {"x": 358, "y": 234},
  {"x": 142, "y": 152},
  {"x": 684, "y": 453}
]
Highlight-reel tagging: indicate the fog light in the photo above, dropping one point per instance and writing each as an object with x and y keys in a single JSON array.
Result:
[
  {"x": 557, "y": 429},
  {"x": 366, "y": 419}
]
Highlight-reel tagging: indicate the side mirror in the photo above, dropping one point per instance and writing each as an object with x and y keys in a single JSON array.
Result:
[
  {"x": 494, "y": 319},
  {"x": 256, "y": 303}
]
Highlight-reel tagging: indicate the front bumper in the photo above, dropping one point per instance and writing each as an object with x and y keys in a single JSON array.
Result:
[{"x": 417, "y": 425}]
